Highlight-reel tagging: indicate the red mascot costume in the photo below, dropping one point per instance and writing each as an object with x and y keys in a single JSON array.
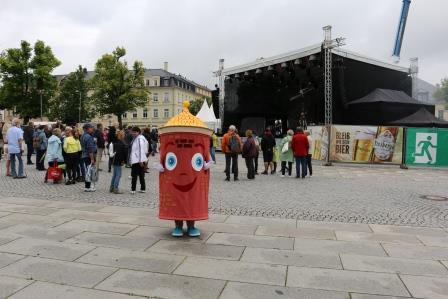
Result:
[{"x": 184, "y": 171}]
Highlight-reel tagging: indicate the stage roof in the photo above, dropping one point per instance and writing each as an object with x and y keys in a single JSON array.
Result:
[{"x": 314, "y": 49}]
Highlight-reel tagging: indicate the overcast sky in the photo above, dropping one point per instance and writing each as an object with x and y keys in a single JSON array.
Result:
[{"x": 193, "y": 34}]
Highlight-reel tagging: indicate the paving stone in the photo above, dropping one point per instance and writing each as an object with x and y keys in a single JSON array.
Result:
[
  {"x": 74, "y": 205},
  {"x": 416, "y": 252},
  {"x": 129, "y": 211},
  {"x": 236, "y": 290},
  {"x": 233, "y": 271},
  {"x": 261, "y": 221},
  {"x": 85, "y": 215},
  {"x": 367, "y": 296},
  {"x": 7, "y": 258},
  {"x": 125, "y": 242},
  {"x": 217, "y": 218},
  {"x": 44, "y": 221},
  {"x": 311, "y": 233},
  {"x": 242, "y": 229},
  {"x": 165, "y": 234},
  {"x": 24, "y": 201},
  {"x": 426, "y": 287},
  {"x": 6, "y": 239},
  {"x": 251, "y": 241},
  {"x": 392, "y": 265},
  {"x": 343, "y": 280},
  {"x": 70, "y": 273},
  {"x": 290, "y": 258},
  {"x": 434, "y": 241},
  {"x": 351, "y": 227},
  {"x": 38, "y": 232},
  {"x": 26, "y": 209},
  {"x": 43, "y": 248},
  {"x": 134, "y": 260},
  {"x": 162, "y": 285},
  {"x": 411, "y": 230},
  {"x": 445, "y": 263},
  {"x": 198, "y": 249},
  {"x": 328, "y": 247},
  {"x": 4, "y": 214},
  {"x": 45, "y": 290},
  {"x": 377, "y": 237},
  {"x": 10, "y": 285},
  {"x": 97, "y": 227}
]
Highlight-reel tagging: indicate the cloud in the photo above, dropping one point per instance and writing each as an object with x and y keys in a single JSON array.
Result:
[{"x": 193, "y": 34}]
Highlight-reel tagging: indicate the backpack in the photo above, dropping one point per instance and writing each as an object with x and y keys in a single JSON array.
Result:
[
  {"x": 234, "y": 144},
  {"x": 36, "y": 141}
]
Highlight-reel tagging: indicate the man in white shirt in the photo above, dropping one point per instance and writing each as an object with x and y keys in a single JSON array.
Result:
[
  {"x": 138, "y": 156},
  {"x": 310, "y": 153},
  {"x": 14, "y": 135}
]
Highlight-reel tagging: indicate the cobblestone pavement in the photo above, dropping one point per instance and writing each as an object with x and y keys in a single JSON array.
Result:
[
  {"x": 72, "y": 250},
  {"x": 361, "y": 194}
]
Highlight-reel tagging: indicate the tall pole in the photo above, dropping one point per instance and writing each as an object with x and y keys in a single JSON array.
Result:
[
  {"x": 328, "y": 85},
  {"x": 79, "y": 114},
  {"x": 221, "y": 91}
]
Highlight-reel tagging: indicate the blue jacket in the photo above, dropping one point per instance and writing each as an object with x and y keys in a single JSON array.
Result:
[
  {"x": 54, "y": 150},
  {"x": 88, "y": 145}
]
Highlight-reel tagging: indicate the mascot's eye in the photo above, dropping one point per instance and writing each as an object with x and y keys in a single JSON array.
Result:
[
  {"x": 197, "y": 162},
  {"x": 170, "y": 161}
]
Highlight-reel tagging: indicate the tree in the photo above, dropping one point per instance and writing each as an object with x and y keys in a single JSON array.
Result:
[
  {"x": 72, "y": 104},
  {"x": 442, "y": 92},
  {"x": 116, "y": 89},
  {"x": 26, "y": 78},
  {"x": 196, "y": 105}
]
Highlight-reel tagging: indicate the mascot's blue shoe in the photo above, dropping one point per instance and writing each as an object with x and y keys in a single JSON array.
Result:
[
  {"x": 194, "y": 232},
  {"x": 177, "y": 232}
]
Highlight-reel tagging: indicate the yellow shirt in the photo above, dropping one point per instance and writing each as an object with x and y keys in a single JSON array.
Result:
[{"x": 71, "y": 145}]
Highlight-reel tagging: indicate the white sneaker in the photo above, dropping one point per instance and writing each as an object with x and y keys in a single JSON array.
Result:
[
  {"x": 283, "y": 175},
  {"x": 132, "y": 192},
  {"x": 142, "y": 191},
  {"x": 129, "y": 177}
]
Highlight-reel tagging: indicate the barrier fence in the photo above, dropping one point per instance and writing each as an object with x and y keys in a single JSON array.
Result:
[{"x": 381, "y": 145}]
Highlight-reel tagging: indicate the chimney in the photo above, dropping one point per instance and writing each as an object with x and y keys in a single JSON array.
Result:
[{"x": 165, "y": 66}]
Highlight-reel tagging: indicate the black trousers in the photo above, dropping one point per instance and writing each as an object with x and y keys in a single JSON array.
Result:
[
  {"x": 256, "y": 162},
  {"x": 284, "y": 168},
  {"x": 232, "y": 161},
  {"x": 138, "y": 171},
  {"x": 308, "y": 163},
  {"x": 86, "y": 162},
  {"x": 71, "y": 163},
  {"x": 29, "y": 151},
  {"x": 39, "y": 159},
  {"x": 250, "y": 164}
]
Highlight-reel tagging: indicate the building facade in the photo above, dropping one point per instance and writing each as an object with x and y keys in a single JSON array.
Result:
[{"x": 167, "y": 93}]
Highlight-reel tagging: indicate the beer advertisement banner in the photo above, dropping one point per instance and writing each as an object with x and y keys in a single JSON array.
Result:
[
  {"x": 366, "y": 144},
  {"x": 319, "y": 146},
  {"x": 427, "y": 147}
]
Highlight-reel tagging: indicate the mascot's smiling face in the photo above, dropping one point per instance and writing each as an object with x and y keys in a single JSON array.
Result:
[{"x": 183, "y": 158}]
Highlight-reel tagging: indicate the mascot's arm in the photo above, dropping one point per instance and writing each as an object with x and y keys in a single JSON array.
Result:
[{"x": 158, "y": 167}]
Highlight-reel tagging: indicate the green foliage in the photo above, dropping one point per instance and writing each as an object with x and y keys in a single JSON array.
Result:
[
  {"x": 442, "y": 93},
  {"x": 196, "y": 105},
  {"x": 25, "y": 74},
  {"x": 116, "y": 89},
  {"x": 72, "y": 97}
]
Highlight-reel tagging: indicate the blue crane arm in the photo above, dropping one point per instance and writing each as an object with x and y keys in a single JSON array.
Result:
[{"x": 401, "y": 27}]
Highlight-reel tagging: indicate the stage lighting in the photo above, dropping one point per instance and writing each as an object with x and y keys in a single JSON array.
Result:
[
  {"x": 270, "y": 68},
  {"x": 246, "y": 74},
  {"x": 283, "y": 65},
  {"x": 237, "y": 76},
  {"x": 297, "y": 61},
  {"x": 258, "y": 71},
  {"x": 312, "y": 58}
]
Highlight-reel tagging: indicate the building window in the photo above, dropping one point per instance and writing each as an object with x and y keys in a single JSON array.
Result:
[
  {"x": 125, "y": 115},
  {"x": 155, "y": 97},
  {"x": 145, "y": 113},
  {"x": 166, "y": 97},
  {"x": 440, "y": 112},
  {"x": 166, "y": 113},
  {"x": 134, "y": 114},
  {"x": 155, "y": 82},
  {"x": 166, "y": 82},
  {"x": 156, "y": 113},
  {"x": 147, "y": 82}
]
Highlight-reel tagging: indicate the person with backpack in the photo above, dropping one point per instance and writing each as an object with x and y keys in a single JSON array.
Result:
[
  {"x": 267, "y": 147},
  {"x": 40, "y": 143},
  {"x": 249, "y": 153},
  {"x": 118, "y": 154},
  {"x": 286, "y": 155},
  {"x": 231, "y": 147}
]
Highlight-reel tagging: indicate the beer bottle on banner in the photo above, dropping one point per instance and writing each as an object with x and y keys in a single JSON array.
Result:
[
  {"x": 363, "y": 145},
  {"x": 383, "y": 149}
]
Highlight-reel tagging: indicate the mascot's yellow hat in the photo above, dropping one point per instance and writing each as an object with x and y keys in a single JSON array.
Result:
[{"x": 185, "y": 122}]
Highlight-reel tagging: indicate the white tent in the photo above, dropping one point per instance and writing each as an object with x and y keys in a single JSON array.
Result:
[{"x": 207, "y": 115}]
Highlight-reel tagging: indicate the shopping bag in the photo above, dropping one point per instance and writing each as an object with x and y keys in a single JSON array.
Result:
[
  {"x": 91, "y": 174},
  {"x": 54, "y": 173},
  {"x": 285, "y": 147}
]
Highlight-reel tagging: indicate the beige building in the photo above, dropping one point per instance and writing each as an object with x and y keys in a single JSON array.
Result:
[
  {"x": 441, "y": 111},
  {"x": 167, "y": 93}
]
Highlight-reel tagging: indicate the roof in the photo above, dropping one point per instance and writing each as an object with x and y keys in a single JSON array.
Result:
[
  {"x": 206, "y": 114},
  {"x": 421, "y": 118},
  {"x": 314, "y": 49},
  {"x": 185, "y": 122},
  {"x": 386, "y": 96}
]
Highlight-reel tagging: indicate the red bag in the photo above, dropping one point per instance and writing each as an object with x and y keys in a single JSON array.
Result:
[{"x": 54, "y": 173}]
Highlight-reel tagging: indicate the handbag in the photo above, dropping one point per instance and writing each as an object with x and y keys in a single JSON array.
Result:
[
  {"x": 285, "y": 147},
  {"x": 91, "y": 174},
  {"x": 54, "y": 173}
]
